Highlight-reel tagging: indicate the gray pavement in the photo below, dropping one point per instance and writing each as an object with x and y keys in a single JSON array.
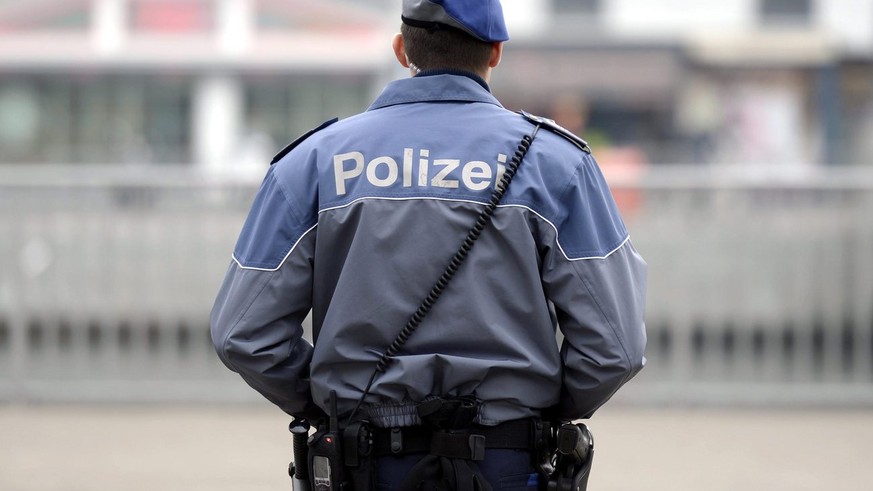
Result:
[{"x": 246, "y": 448}]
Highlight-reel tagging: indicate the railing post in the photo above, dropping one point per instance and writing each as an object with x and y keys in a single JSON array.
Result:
[{"x": 19, "y": 355}]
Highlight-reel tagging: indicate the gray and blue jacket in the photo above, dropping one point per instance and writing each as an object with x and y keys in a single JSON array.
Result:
[{"x": 357, "y": 221}]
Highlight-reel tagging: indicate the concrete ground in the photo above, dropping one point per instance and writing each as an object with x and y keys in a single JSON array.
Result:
[{"x": 247, "y": 448}]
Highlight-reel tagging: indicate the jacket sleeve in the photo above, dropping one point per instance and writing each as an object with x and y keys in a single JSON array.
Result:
[
  {"x": 596, "y": 280},
  {"x": 256, "y": 322}
]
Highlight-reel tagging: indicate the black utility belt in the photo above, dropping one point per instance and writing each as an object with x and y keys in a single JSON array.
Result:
[{"x": 464, "y": 444}]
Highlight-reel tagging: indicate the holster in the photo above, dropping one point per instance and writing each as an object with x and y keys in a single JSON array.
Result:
[
  {"x": 570, "y": 477},
  {"x": 574, "y": 456},
  {"x": 358, "y": 456},
  {"x": 543, "y": 449}
]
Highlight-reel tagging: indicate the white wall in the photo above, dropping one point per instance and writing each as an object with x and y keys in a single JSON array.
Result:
[
  {"x": 847, "y": 22},
  {"x": 526, "y": 18},
  {"x": 671, "y": 19},
  {"x": 850, "y": 22}
]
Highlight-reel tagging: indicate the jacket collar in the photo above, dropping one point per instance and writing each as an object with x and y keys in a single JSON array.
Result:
[
  {"x": 433, "y": 88},
  {"x": 437, "y": 71}
]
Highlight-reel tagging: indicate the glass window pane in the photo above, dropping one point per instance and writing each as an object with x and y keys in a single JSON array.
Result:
[
  {"x": 167, "y": 121},
  {"x": 56, "y": 142},
  {"x": 92, "y": 121},
  {"x": 282, "y": 107},
  {"x": 95, "y": 119},
  {"x": 21, "y": 120}
]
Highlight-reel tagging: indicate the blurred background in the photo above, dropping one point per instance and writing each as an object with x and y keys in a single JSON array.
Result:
[{"x": 737, "y": 137}]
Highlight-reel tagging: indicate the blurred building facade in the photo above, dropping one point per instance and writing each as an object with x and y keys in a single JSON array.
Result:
[
  {"x": 212, "y": 83},
  {"x": 764, "y": 82},
  {"x": 222, "y": 84},
  {"x": 133, "y": 134}
]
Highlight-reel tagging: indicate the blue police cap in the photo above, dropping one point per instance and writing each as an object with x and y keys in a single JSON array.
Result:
[{"x": 482, "y": 19}]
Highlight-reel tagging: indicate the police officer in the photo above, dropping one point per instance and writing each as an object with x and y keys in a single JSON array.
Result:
[{"x": 354, "y": 222}]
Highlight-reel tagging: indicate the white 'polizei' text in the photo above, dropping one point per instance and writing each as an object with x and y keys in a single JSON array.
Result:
[{"x": 384, "y": 171}]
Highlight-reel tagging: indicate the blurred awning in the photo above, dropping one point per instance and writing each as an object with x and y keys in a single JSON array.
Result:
[
  {"x": 638, "y": 74},
  {"x": 771, "y": 49}
]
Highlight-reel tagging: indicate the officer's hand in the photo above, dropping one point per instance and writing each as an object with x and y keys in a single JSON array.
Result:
[{"x": 312, "y": 413}]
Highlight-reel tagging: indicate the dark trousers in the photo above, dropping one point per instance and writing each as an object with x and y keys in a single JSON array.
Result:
[{"x": 504, "y": 469}]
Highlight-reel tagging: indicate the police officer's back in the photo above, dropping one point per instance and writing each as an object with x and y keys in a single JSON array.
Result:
[{"x": 357, "y": 220}]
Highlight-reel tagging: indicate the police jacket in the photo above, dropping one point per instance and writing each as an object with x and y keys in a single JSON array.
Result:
[{"x": 357, "y": 221}]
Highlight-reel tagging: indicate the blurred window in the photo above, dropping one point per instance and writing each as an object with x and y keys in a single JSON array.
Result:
[
  {"x": 785, "y": 11},
  {"x": 281, "y": 107},
  {"x": 338, "y": 15},
  {"x": 569, "y": 15},
  {"x": 172, "y": 16},
  {"x": 94, "y": 119},
  {"x": 20, "y": 15},
  {"x": 581, "y": 7}
]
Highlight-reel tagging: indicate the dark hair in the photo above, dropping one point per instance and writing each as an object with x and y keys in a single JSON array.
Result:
[{"x": 445, "y": 48}]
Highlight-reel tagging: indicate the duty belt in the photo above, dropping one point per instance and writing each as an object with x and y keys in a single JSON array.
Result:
[{"x": 467, "y": 444}]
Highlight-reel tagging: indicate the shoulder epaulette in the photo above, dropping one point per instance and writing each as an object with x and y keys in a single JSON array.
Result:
[
  {"x": 298, "y": 141},
  {"x": 554, "y": 127}
]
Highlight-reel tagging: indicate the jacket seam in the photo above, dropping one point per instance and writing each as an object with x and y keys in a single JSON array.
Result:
[
  {"x": 571, "y": 179},
  {"x": 285, "y": 258},
  {"x": 281, "y": 187},
  {"x": 562, "y": 195},
  {"x": 595, "y": 255},
  {"x": 455, "y": 99}
]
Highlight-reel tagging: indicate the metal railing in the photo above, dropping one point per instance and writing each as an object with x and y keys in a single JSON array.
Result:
[{"x": 760, "y": 286}]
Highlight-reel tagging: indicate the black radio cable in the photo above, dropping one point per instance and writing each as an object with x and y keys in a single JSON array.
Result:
[{"x": 482, "y": 221}]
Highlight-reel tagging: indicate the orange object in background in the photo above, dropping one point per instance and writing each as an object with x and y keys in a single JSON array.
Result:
[{"x": 623, "y": 167}]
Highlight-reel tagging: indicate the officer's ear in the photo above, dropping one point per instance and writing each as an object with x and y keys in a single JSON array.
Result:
[
  {"x": 400, "y": 50},
  {"x": 496, "y": 54}
]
